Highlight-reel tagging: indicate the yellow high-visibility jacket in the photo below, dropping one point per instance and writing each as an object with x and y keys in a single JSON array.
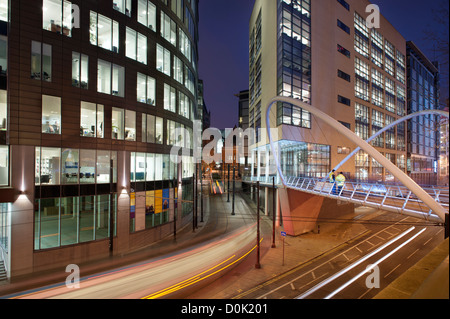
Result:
[
  {"x": 340, "y": 180},
  {"x": 332, "y": 177}
]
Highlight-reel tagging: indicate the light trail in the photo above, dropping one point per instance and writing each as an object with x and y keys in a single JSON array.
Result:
[
  {"x": 196, "y": 279},
  {"x": 340, "y": 273},
  {"x": 373, "y": 265}
]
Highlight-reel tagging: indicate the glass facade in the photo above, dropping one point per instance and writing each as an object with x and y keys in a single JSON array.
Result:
[
  {"x": 294, "y": 60},
  {"x": 72, "y": 220},
  {"x": 423, "y": 132},
  {"x": 5, "y": 225},
  {"x": 297, "y": 159}
]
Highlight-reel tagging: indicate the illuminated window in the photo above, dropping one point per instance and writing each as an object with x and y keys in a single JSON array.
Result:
[
  {"x": 136, "y": 46},
  {"x": 4, "y": 10},
  {"x": 104, "y": 32},
  {"x": 92, "y": 119},
  {"x": 57, "y": 16},
  {"x": 51, "y": 114},
  {"x": 147, "y": 14},
  {"x": 146, "y": 89},
  {"x": 80, "y": 70},
  {"x": 163, "y": 63},
  {"x": 168, "y": 29},
  {"x": 4, "y": 165},
  {"x": 170, "y": 96},
  {"x": 123, "y": 6},
  {"x": 41, "y": 61},
  {"x": 3, "y": 110},
  {"x": 110, "y": 78}
]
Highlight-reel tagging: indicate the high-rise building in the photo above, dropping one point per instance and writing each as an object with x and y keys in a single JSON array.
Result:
[
  {"x": 91, "y": 95},
  {"x": 423, "y": 132},
  {"x": 326, "y": 54}
]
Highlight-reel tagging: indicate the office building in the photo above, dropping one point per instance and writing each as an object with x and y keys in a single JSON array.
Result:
[
  {"x": 423, "y": 132},
  {"x": 325, "y": 54},
  {"x": 92, "y": 93}
]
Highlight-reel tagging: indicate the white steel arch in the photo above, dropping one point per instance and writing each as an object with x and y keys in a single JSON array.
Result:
[
  {"x": 394, "y": 170},
  {"x": 392, "y": 125}
]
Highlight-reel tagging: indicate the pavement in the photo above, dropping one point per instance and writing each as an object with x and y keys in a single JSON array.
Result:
[{"x": 273, "y": 261}]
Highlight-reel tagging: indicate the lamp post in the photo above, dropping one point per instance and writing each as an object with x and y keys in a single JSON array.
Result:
[
  {"x": 234, "y": 187},
  {"x": 257, "y": 265},
  {"x": 274, "y": 212}
]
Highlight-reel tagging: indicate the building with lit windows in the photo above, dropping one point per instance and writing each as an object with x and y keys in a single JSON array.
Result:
[
  {"x": 91, "y": 95},
  {"x": 323, "y": 53},
  {"x": 423, "y": 132}
]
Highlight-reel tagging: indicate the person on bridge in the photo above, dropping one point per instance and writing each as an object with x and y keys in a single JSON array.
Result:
[
  {"x": 340, "y": 181},
  {"x": 332, "y": 180}
]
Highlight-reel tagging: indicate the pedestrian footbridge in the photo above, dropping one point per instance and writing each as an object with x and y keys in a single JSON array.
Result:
[
  {"x": 300, "y": 194},
  {"x": 393, "y": 198}
]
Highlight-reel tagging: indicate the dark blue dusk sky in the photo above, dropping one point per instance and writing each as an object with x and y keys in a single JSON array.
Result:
[{"x": 223, "y": 46}]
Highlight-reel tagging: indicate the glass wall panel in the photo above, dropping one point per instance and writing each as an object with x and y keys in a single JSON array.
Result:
[
  {"x": 102, "y": 224},
  {"x": 87, "y": 221},
  {"x": 49, "y": 217},
  {"x": 103, "y": 166},
  {"x": 70, "y": 165},
  {"x": 50, "y": 166},
  {"x": 150, "y": 166},
  {"x": 4, "y": 165},
  {"x": 158, "y": 167},
  {"x": 87, "y": 166},
  {"x": 69, "y": 220},
  {"x": 140, "y": 167}
]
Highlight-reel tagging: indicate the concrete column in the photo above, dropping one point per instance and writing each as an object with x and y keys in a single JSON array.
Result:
[
  {"x": 22, "y": 210},
  {"x": 121, "y": 241}
]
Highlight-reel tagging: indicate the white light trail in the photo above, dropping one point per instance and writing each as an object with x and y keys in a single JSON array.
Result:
[{"x": 340, "y": 273}]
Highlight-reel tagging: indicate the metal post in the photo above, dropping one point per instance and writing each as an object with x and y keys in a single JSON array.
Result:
[
  {"x": 446, "y": 226},
  {"x": 111, "y": 209},
  {"x": 175, "y": 183},
  {"x": 201, "y": 193},
  {"x": 193, "y": 203},
  {"x": 228, "y": 184},
  {"x": 234, "y": 188},
  {"x": 274, "y": 212},
  {"x": 257, "y": 265},
  {"x": 196, "y": 197}
]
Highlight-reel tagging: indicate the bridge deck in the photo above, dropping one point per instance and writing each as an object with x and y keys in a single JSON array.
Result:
[{"x": 395, "y": 198}]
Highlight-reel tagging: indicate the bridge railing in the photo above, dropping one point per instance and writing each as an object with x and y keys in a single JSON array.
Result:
[{"x": 394, "y": 197}]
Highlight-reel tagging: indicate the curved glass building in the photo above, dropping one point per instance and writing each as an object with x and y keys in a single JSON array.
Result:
[{"x": 91, "y": 94}]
